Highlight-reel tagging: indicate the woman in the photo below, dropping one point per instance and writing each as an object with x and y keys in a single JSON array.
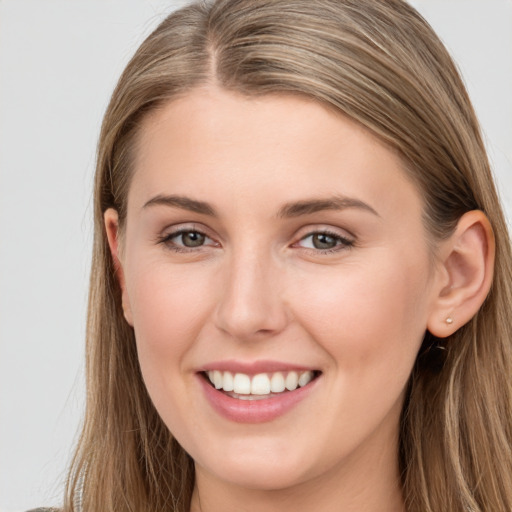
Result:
[{"x": 301, "y": 273}]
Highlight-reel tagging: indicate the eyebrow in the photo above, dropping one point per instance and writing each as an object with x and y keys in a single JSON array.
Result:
[
  {"x": 310, "y": 206},
  {"x": 293, "y": 209},
  {"x": 185, "y": 203}
]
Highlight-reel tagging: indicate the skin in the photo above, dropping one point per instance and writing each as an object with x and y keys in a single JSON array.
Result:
[{"x": 259, "y": 289}]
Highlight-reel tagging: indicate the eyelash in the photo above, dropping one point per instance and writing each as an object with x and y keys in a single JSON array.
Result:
[
  {"x": 167, "y": 240},
  {"x": 342, "y": 243}
]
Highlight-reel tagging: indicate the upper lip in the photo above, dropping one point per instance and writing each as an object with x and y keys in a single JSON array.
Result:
[{"x": 254, "y": 367}]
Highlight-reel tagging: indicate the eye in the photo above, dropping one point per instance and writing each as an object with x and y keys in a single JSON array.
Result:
[
  {"x": 186, "y": 239},
  {"x": 325, "y": 241},
  {"x": 190, "y": 238}
]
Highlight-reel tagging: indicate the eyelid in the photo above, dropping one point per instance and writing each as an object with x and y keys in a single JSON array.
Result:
[
  {"x": 345, "y": 239},
  {"x": 168, "y": 234},
  {"x": 335, "y": 231}
]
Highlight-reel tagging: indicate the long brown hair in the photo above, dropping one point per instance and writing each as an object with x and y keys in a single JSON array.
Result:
[{"x": 379, "y": 63}]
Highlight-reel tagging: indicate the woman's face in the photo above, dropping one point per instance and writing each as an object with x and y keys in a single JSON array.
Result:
[{"x": 269, "y": 240}]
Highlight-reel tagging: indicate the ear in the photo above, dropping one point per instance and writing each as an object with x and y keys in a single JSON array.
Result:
[
  {"x": 466, "y": 272},
  {"x": 111, "y": 220}
]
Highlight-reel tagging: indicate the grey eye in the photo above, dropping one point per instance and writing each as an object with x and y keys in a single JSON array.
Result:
[
  {"x": 192, "y": 238},
  {"x": 324, "y": 241}
]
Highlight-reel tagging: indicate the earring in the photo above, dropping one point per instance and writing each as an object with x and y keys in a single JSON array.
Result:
[{"x": 449, "y": 320}]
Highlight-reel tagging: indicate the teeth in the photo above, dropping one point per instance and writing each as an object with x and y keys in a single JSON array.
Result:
[
  {"x": 260, "y": 384},
  {"x": 305, "y": 378},
  {"x": 217, "y": 379},
  {"x": 277, "y": 383},
  {"x": 228, "y": 383},
  {"x": 292, "y": 381},
  {"x": 242, "y": 384}
]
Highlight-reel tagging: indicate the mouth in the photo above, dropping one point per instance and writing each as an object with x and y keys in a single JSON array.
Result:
[{"x": 261, "y": 386}]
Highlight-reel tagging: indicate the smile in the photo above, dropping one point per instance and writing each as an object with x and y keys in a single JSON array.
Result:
[
  {"x": 243, "y": 395},
  {"x": 260, "y": 386}
]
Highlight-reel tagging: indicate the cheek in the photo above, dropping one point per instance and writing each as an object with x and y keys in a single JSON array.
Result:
[
  {"x": 162, "y": 294},
  {"x": 368, "y": 316},
  {"x": 370, "y": 320},
  {"x": 168, "y": 306}
]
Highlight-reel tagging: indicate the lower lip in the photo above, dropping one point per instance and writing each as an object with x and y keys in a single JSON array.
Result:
[{"x": 254, "y": 411}]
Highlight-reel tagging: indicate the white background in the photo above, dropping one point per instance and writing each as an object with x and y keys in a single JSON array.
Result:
[{"x": 59, "y": 61}]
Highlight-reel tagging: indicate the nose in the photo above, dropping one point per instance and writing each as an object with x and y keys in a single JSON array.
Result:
[{"x": 251, "y": 305}]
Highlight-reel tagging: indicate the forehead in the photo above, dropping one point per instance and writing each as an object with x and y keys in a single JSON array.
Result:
[{"x": 224, "y": 145}]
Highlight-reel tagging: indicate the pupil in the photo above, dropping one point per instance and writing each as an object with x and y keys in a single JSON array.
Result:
[
  {"x": 193, "y": 239},
  {"x": 323, "y": 241}
]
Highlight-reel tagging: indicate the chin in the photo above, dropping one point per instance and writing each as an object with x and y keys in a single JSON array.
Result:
[
  {"x": 266, "y": 466},
  {"x": 260, "y": 476}
]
